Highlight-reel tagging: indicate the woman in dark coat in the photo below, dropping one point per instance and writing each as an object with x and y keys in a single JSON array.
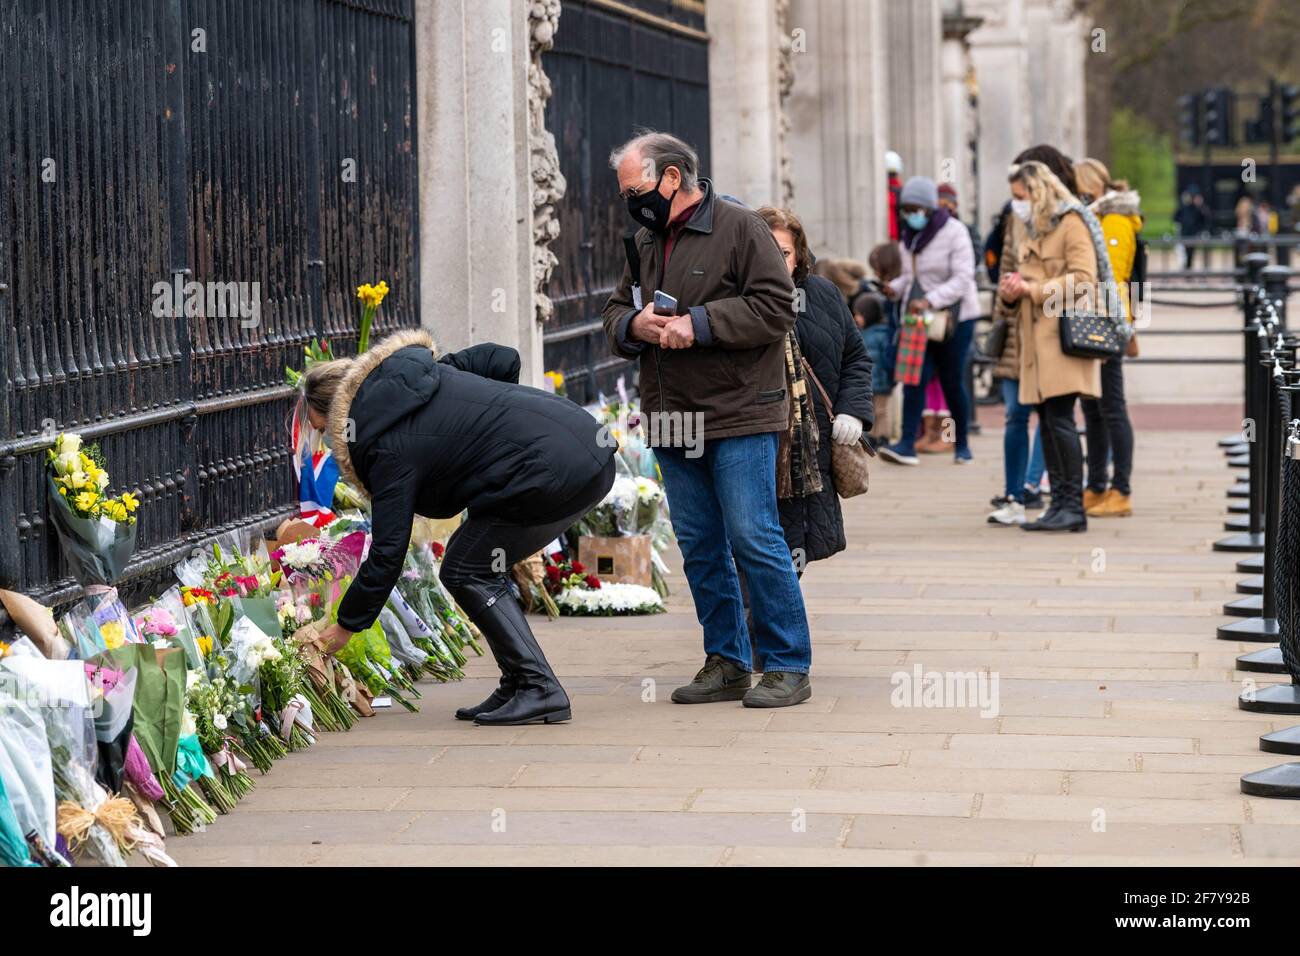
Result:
[
  {"x": 830, "y": 341},
  {"x": 436, "y": 436}
]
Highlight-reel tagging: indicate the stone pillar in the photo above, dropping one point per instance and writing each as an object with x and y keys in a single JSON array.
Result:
[
  {"x": 999, "y": 56},
  {"x": 745, "y": 51},
  {"x": 959, "y": 121},
  {"x": 914, "y": 34},
  {"x": 1055, "y": 64},
  {"x": 837, "y": 109},
  {"x": 476, "y": 208}
]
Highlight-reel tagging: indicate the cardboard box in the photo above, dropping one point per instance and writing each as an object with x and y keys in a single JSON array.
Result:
[{"x": 622, "y": 560}]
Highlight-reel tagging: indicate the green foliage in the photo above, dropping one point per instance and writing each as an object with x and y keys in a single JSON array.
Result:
[{"x": 1143, "y": 155}]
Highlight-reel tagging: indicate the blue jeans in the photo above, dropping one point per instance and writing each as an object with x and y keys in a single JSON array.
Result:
[
  {"x": 1023, "y": 468},
  {"x": 948, "y": 361},
  {"x": 724, "y": 503}
]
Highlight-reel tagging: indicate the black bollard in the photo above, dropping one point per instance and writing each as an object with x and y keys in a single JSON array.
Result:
[
  {"x": 1251, "y": 265},
  {"x": 1257, "y": 381},
  {"x": 1255, "y": 337},
  {"x": 1263, "y": 626}
]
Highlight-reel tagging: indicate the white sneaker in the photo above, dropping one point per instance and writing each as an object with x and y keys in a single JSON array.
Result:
[{"x": 1013, "y": 512}]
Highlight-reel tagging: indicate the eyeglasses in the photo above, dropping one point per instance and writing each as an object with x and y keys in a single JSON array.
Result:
[{"x": 641, "y": 190}]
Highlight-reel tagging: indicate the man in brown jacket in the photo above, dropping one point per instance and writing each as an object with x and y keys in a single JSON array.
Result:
[{"x": 714, "y": 367}]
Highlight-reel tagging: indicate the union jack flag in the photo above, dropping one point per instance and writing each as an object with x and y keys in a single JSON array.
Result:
[{"x": 317, "y": 473}]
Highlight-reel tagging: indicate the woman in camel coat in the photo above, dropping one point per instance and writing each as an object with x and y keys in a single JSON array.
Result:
[{"x": 1053, "y": 264}]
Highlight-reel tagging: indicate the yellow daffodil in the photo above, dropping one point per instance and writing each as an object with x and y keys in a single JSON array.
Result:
[
  {"x": 130, "y": 501},
  {"x": 86, "y": 500},
  {"x": 372, "y": 295}
]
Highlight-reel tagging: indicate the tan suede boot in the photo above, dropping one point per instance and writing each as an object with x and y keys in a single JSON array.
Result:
[{"x": 931, "y": 441}]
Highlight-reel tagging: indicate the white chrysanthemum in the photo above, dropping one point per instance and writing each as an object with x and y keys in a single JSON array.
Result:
[
  {"x": 611, "y": 598},
  {"x": 622, "y": 495},
  {"x": 648, "y": 490}
]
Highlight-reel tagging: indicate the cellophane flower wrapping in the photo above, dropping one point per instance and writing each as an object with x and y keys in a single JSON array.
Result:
[
  {"x": 70, "y": 733},
  {"x": 97, "y": 549},
  {"x": 13, "y": 846},
  {"x": 26, "y": 765}
]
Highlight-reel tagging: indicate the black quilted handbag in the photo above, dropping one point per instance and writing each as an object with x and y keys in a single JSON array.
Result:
[{"x": 1090, "y": 335}]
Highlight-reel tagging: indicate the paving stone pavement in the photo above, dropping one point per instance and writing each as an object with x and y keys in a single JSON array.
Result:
[{"x": 1116, "y": 739}]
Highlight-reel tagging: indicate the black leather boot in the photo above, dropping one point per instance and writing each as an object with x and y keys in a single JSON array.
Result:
[
  {"x": 538, "y": 696},
  {"x": 504, "y": 691},
  {"x": 1066, "y": 512}
]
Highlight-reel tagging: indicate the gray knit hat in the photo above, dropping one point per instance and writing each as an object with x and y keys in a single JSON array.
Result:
[{"x": 919, "y": 191}]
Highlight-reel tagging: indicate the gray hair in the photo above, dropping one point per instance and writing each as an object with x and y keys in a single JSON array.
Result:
[{"x": 662, "y": 150}]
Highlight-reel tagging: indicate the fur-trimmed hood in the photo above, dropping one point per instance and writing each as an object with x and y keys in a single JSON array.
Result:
[
  {"x": 342, "y": 427},
  {"x": 1124, "y": 202}
]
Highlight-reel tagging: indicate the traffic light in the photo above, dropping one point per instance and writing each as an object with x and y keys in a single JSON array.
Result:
[
  {"x": 1218, "y": 116},
  {"x": 1261, "y": 131},
  {"x": 1290, "y": 111},
  {"x": 1189, "y": 119}
]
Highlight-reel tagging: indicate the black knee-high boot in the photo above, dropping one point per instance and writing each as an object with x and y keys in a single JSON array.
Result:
[
  {"x": 1064, "y": 458},
  {"x": 537, "y": 696}
]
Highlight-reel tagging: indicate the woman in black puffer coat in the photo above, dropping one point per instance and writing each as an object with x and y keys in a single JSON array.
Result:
[
  {"x": 436, "y": 436},
  {"x": 832, "y": 344}
]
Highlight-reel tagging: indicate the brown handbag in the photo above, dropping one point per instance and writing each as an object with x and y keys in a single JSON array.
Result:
[{"x": 849, "y": 469}]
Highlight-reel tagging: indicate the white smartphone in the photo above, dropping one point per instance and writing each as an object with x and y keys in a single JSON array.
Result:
[{"x": 665, "y": 304}]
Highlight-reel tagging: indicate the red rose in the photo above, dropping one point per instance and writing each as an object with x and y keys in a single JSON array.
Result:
[
  {"x": 578, "y": 567},
  {"x": 438, "y": 550},
  {"x": 553, "y": 572},
  {"x": 593, "y": 582},
  {"x": 557, "y": 557}
]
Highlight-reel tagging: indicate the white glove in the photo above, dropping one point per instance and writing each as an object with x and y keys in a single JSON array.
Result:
[{"x": 846, "y": 430}]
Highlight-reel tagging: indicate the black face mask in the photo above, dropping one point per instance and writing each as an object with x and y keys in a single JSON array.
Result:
[{"x": 651, "y": 208}]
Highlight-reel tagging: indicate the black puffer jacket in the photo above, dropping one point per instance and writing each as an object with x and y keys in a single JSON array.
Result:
[
  {"x": 435, "y": 436},
  {"x": 833, "y": 347}
]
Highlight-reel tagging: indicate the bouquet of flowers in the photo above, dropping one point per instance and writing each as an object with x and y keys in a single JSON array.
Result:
[
  {"x": 96, "y": 532},
  {"x": 242, "y": 657},
  {"x": 212, "y": 707},
  {"x": 450, "y": 632},
  {"x": 610, "y": 599},
  {"x": 574, "y": 591},
  {"x": 86, "y": 815},
  {"x": 283, "y": 677}
]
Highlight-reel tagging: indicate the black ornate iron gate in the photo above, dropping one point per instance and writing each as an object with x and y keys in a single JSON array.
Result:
[
  {"x": 616, "y": 66},
  {"x": 270, "y": 144}
]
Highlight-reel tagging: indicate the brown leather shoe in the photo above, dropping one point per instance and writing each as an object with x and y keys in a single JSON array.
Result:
[{"x": 1091, "y": 499}]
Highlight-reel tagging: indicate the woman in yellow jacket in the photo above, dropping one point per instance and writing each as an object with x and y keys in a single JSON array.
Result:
[{"x": 1110, "y": 433}]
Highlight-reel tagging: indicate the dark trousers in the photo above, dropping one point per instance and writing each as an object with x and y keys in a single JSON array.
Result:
[
  {"x": 1110, "y": 433},
  {"x": 476, "y": 565},
  {"x": 1063, "y": 451},
  {"x": 948, "y": 361}
]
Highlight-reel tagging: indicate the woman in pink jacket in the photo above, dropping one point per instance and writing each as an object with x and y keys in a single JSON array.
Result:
[{"x": 938, "y": 276}]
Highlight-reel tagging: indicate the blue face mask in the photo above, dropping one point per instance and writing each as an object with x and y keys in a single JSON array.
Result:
[{"x": 916, "y": 220}]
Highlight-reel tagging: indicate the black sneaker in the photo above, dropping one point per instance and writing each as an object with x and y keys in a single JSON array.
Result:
[
  {"x": 718, "y": 680},
  {"x": 1033, "y": 499},
  {"x": 997, "y": 501},
  {"x": 779, "y": 689}
]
